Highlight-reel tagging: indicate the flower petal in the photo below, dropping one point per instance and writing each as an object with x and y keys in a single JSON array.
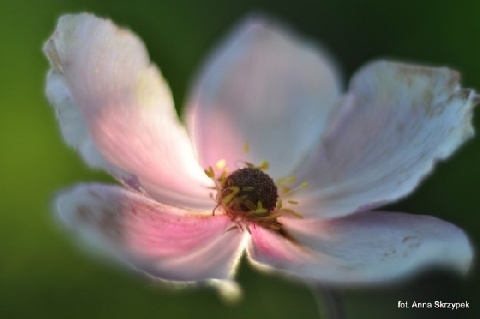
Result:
[
  {"x": 364, "y": 248},
  {"x": 74, "y": 128},
  {"x": 264, "y": 87},
  {"x": 105, "y": 72},
  {"x": 385, "y": 136},
  {"x": 163, "y": 241}
]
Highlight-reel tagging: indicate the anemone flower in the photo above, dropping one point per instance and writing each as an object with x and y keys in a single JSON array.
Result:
[{"x": 274, "y": 159}]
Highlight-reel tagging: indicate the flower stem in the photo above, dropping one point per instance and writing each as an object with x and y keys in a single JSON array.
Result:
[{"x": 329, "y": 302}]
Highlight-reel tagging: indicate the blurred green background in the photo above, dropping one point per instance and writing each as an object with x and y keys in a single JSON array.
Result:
[{"x": 44, "y": 275}]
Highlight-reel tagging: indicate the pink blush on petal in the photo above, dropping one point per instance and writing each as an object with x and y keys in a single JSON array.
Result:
[
  {"x": 268, "y": 245},
  {"x": 153, "y": 234}
]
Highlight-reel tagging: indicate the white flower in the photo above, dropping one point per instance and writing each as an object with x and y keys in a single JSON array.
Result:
[{"x": 272, "y": 104}]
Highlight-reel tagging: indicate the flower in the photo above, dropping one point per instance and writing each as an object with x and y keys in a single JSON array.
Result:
[{"x": 276, "y": 162}]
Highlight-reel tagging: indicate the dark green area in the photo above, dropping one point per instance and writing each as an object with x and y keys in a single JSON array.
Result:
[{"x": 44, "y": 275}]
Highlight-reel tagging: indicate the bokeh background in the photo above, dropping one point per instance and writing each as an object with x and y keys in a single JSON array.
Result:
[{"x": 44, "y": 275}]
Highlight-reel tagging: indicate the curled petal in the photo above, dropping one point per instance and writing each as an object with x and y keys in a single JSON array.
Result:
[
  {"x": 166, "y": 242},
  {"x": 266, "y": 88},
  {"x": 396, "y": 121},
  {"x": 364, "y": 248},
  {"x": 102, "y": 76}
]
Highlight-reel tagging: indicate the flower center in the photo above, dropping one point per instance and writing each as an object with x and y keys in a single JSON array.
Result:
[
  {"x": 250, "y": 197},
  {"x": 248, "y": 189}
]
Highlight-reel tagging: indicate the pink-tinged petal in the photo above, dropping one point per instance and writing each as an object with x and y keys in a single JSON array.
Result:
[
  {"x": 364, "y": 248},
  {"x": 264, "y": 87},
  {"x": 166, "y": 242},
  {"x": 125, "y": 104},
  {"x": 395, "y": 123},
  {"x": 73, "y": 126}
]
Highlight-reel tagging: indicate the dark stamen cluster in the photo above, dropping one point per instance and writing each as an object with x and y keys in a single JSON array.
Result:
[{"x": 254, "y": 186}]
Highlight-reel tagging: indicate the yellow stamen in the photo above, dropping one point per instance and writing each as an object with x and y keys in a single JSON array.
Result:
[
  {"x": 227, "y": 199},
  {"x": 254, "y": 213},
  {"x": 221, "y": 164},
  {"x": 285, "y": 189},
  {"x": 209, "y": 172},
  {"x": 246, "y": 147},
  {"x": 292, "y": 212},
  {"x": 260, "y": 208},
  {"x": 279, "y": 204},
  {"x": 273, "y": 216},
  {"x": 264, "y": 165},
  {"x": 288, "y": 179},
  {"x": 275, "y": 226},
  {"x": 223, "y": 177},
  {"x": 249, "y": 165},
  {"x": 251, "y": 206}
]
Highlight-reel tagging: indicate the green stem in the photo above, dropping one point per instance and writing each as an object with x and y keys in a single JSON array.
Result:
[{"x": 329, "y": 302}]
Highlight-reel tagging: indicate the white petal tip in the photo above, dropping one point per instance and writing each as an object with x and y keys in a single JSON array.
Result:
[
  {"x": 62, "y": 201},
  {"x": 455, "y": 251},
  {"x": 229, "y": 291},
  {"x": 257, "y": 19},
  {"x": 260, "y": 25},
  {"x": 63, "y": 30},
  {"x": 465, "y": 258}
]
